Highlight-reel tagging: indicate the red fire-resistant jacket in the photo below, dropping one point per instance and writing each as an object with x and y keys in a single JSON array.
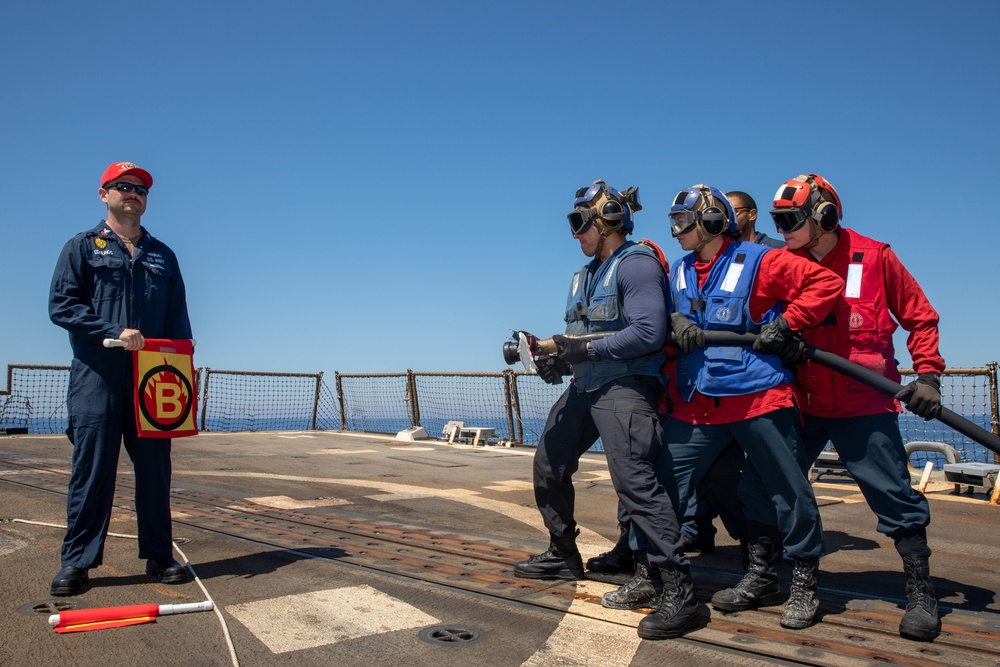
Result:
[{"x": 878, "y": 288}]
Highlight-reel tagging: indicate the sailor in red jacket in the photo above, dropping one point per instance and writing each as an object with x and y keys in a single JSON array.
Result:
[{"x": 862, "y": 423}]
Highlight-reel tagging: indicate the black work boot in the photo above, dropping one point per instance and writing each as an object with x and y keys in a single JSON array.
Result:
[
  {"x": 642, "y": 590},
  {"x": 759, "y": 586},
  {"x": 167, "y": 571},
  {"x": 692, "y": 545},
  {"x": 561, "y": 561},
  {"x": 69, "y": 581},
  {"x": 678, "y": 610},
  {"x": 799, "y": 611},
  {"x": 920, "y": 622},
  {"x": 620, "y": 560}
]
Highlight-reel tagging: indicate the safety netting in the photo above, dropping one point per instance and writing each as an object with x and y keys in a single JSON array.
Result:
[
  {"x": 970, "y": 393},
  {"x": 254, "y": 401},
  {"x": 514, "y": 405}
]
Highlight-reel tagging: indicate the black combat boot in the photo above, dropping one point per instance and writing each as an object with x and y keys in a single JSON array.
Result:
[
  {"x": 920, "y": 622},
  {"x": 642, "y": 590},
  {"x": 692, "y": 545},
  {"x": 678, "y": 610},
  {"x": 561, "y": 561},
  {"x": 620, "y": 560},
  {"x": 799, "y": 611},
  {"x": 759, "y": 587}
]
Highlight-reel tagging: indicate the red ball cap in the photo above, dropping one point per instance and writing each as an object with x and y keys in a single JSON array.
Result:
[{"x": 119, "y": 169}]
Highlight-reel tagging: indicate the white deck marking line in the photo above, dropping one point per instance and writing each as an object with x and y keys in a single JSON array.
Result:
[
  {"x": 9, "y": 544},
  {"x": 935, "y": 491},
  {"x": 588, "y": 540},
  {"x": 603, "y": 475},
  {"x": 320, "y": 618},
  {"x": 394, "y": 497},
  {"x": 511, "y": 485},
  {"x": 344, "y": 451},
  {"x": 847, "y": 500},
  {"x": 585, "y": 642},
  {"x": 288, "y": 503}
]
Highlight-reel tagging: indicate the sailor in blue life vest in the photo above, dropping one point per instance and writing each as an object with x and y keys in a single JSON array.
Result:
[
  {"x": 697, "y": 531},
  {"x": 115, "y": 281},
  {"x": 734, "y": 394},
  {"x": 614, "y": 394}
]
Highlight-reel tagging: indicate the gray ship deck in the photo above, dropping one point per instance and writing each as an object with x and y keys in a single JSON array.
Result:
[{"x": 344, "y": 549}]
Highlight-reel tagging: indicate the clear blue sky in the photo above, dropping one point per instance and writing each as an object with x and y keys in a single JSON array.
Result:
[{"x": 383, "y": 185}]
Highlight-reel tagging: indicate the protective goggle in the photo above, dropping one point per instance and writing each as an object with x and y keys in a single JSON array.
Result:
[
  {"x": 588, "y": 193},
  {"x": 789, "y": 219},
  {"x": 684, "y": 220},
  {"x": 580, "y": 219}
]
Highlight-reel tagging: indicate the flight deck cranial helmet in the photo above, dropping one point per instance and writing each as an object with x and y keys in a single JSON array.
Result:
[
  {"x": 601, "y": 205},
  {"x": 706, "y": 209},
  {"x": 807, "y": 198}
]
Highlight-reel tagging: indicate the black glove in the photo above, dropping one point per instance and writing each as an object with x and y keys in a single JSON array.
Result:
[
  {"x": 551, "y": 369},
  {"x": 776, "y": 337},
  {"x": 570, "y": 350},
  {"x": 923, "y": 396},
  {"x": 687, "y": 334}
]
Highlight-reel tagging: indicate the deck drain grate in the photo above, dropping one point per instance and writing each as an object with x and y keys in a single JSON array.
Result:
[
  {"x": 47, "y": 607},
  {"x": 450, "y": 634}
]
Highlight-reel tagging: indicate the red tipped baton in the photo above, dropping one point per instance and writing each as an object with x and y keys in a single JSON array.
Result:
[{"x": 84, "y": 620}]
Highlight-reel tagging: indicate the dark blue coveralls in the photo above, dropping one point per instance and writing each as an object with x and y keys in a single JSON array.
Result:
[{"x": 97, "y": 292}]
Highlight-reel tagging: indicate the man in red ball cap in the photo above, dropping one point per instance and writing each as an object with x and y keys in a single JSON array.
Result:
[{"x": 115, "y": 281}]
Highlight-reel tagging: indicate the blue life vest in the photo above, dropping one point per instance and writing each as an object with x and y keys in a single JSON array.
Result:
[
  {"x": 594, "y": 305},
  {"x": 723, "y": 304}
]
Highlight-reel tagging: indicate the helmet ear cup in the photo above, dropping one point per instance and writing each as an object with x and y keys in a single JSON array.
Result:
[
  {"x": 825, "y": 213},
  {"x": 713, "y": 220}
]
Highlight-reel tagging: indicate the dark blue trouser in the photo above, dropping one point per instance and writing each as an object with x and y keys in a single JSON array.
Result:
[
  {"x": 773, "y": 479},
  {"x": 716, "y": 495},
  {"x": 699, "y": 515},
  {"x": 101, "y": 417},
  {"x": 623, "y": 414},
  {"x": 871, "y": 448}
]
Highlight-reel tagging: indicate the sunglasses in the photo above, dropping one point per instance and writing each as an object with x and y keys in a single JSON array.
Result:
[
  {"x": 129, "y": 187},
  {"x": 789, "y": 219}
]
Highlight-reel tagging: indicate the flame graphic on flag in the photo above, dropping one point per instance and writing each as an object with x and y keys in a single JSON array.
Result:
[{"x": 166, "y": 396}]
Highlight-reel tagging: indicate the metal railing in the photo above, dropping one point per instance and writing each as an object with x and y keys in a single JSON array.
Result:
[{"x": 513, "y": 403}]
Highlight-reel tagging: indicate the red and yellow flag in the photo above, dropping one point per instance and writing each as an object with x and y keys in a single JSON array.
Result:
[{"x": 166, "y": 401}]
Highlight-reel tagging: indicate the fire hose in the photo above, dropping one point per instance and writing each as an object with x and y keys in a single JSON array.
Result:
[{"x": 830, "y": 360}]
